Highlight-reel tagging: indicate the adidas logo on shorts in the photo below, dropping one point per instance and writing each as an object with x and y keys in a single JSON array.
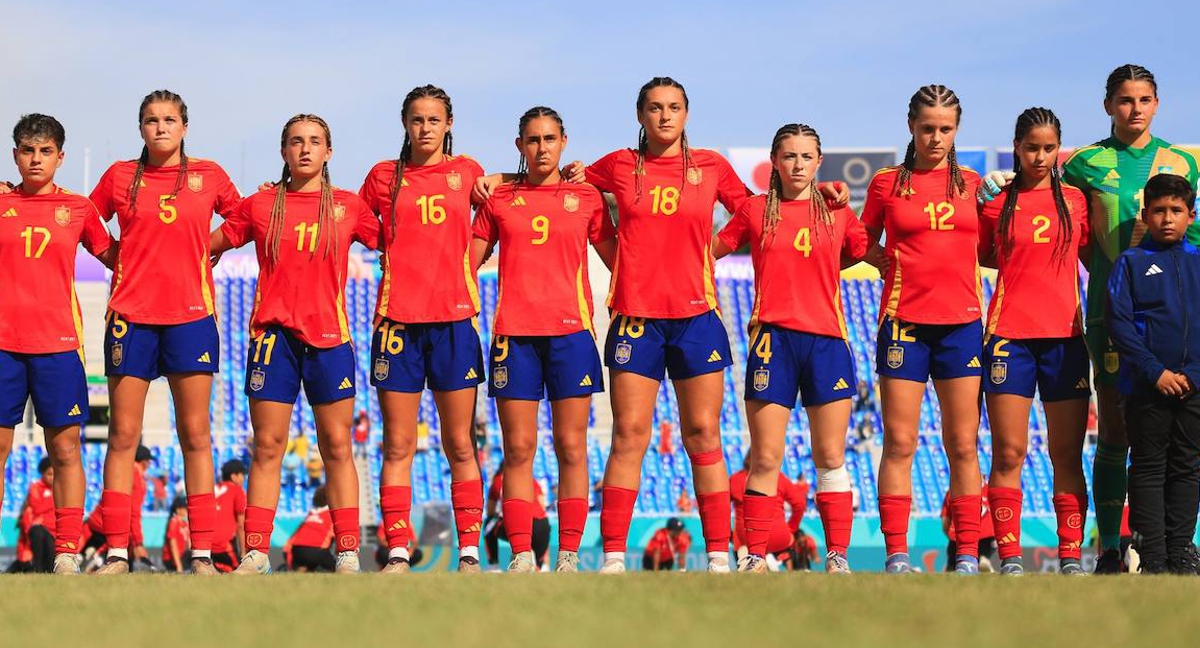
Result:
[
  {"x": 586, "y": 382},
  {"x": 1154, "y": 270},
  {"x": 974, "y": 363},
  {"x": 471, "y": 375},
  {"x": 74, "y": 411},
  {"x": 840, "y": 384},
  {"x": 1082, "y": 384},
  {"x": 714, "y": 357},
  {"x": 346, "y": 384},
  {"x": 204, "y": 358}
]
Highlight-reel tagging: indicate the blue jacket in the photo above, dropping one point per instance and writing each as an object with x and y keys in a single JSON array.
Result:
[{"x": 1154, "y": 313}]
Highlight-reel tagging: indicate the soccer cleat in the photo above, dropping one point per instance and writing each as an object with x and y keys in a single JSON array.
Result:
[
  {"x": 1110, "y": 562},
  {"x": 469, "y": 565},
  {"x": 1071, "y": 567},
  {"x": 346, "y": 562},
  {"x": 203, "y": 567},
  {"x": 1184, "y": 562},
  {"x": 966, "y": 565},
  {"x": 254, "y": 563},
  {"x": 523, "y": 563},
  {"x": 897, "y": 563},
  {"x": 836, "y": 563},
  {"x": 1012, "y": 567},
  {"x": 113, "y": 565},
  {"x": 750, "y": 564},
  {"x": 396, "y": 566},
  {"x": 568, "y": 562},
  {"x": 1152, "y": 566},
  {"x": 67, "y": 564},
  {"x": 613, "y": 566},
  {"x": 718, "y": 564}
]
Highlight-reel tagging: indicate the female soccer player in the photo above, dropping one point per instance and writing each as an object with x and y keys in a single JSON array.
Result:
[
  {"x": 1035, "y": 337},
  {"x": 302, "y": 231},
  {"x": 797, "y": 340},
  {"x": 41, "y": 336},
  {"x": 1112, "y": 173},
  {"x": 161, "y": 315},
  {"x": 929, "y": 319},
  {"x": 544, "y": 343},
  {"x": 425, "y": 331}
]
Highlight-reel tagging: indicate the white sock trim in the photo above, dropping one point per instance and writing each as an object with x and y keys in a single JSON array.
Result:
[
  {"x": 202, "y": 553},
  {"x": 118, "y": 552},
  {"x": 614, "y": 555},
  {"x": 469, "y": 552},
  {"x": 834, "y": 480},
  {"x": 399, "y": 552}
]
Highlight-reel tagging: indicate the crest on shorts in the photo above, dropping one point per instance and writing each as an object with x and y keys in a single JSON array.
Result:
[
  {"x": 118, "y": 354},
  {"x": 762, "y": 378},
  {"x": 500, "y": 377},
  {"x": 195, "y": 182},
  {"x": 623, "y": 353},
  {"x": 258, "y": 378},
  {"x": 62, "y": 215},
  {"x": 454, "y": 180},
  {"x": 339, "y": 212},
  {"x": 999, "y": 372},
  {"x": 380, "y": 371},
  {"x": 1112, "y": 362},
  {"x": 895, "y": 356},
  {"x": 695, "y": 176},
  {"x": 571, "y": 203}
]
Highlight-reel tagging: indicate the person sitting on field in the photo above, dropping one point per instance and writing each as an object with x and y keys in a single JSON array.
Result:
[
  {"x": 1154, "y": 319},
  {"x": 37, "y": 518},
  {"x": 308, "y": 550},
  {"x": 668, "y": 548},
  {"x": 177, "y": 542}
]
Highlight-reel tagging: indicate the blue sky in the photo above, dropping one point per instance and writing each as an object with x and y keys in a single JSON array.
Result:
[{"x": 845, "y": 68}]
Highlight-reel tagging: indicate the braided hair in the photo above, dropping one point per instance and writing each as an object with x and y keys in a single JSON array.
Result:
[
  {"x": 421, "y": 92},
  {"x": 1027, "y": 121},
  {"x": 326, "y": 226},
  {"x": 932, "y": 96},
  {"x": 530, "y": 115},
  {"x": 1127, "y": 72},
  {"x": 771, "y": 216},
  {"x": 157, "y": 96},
  {"x": 639, "y": 168}
]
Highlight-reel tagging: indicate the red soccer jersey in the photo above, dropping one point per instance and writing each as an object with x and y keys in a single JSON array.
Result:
[
  {"x": 305, "y": 291},
  {"x": 162, "y": 275},
  {"x": 1037, "y": 295},
  {"x": 797, "y": 278},
  {"x": 177, "y": 531},
  {"x": 39, "y": 236},
  {"x": 667, "y": 549},
  {"x": 231, "y": 502},
  {"x": 664, "y": 266},
  {"x": 427, "y": 275},
  {"x": 316, "y": 530},
  {"x": 788, "y": 491},
  {"x": 41, "y": 506},
  {"x": 931, "y": 246},
  {"x": 496, "y": 490},
  {"x": 543, "y": 234}
]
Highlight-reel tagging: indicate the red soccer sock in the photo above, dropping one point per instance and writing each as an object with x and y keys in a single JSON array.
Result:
[
  {"x": 572, "y": 517},
  {"x": 1006, "y": 517},
  {"x": 759, "y": 514},
  {"x": 345, "y": 527},
  {"x": 68, "y": 528},
  {"x": 616, "y": 511},
  {"x": 1070, "y": 509},
  {"x": 396, "y": 502},
  {"x": 894, "y": 511},
  {"x": 837, "y": 517},
  {"x": 260, "y": 523},
  {"x": 114, "y": 515},
  {"x": 715, "y": 509},
  {"x": 518, "y": 524},
  {"x": 202, "y": 519},
  {"x": 467, "y": 499},
  {"x": 966, "y": 511}
]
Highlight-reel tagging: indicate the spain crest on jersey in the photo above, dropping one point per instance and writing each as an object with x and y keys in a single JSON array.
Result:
[
  {"x": 695, "y": 176},
  {"x": 762, "y": 379},
  {"x": 895, "y": 356},
  {"x": 258, "y": 378},
  {"x": 62, "y": 215},
  {"x": 339, "y": 212},
  {"x": 195, "y": 182},
  {"x": 999, "y": 372},
  {"x": 118, "y": 354},
  {"x": 623, "y": 353},
  {"x": 454, "y": 180},
  {"x": 500, "y": 377},
  {"x": 1112, "y": 362},
  {"x": 381, "y": 369},
  {"x": 571, "y": 203}
]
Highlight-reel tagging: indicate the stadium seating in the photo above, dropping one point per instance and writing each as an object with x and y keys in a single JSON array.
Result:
[{"x": 665, "y": 477}]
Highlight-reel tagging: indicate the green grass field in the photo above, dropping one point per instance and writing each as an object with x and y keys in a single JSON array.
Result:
[{"x": 679, "y": 610}]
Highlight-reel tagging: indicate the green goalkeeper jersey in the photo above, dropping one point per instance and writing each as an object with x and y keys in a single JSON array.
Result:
[{"x": 1112, "y": 176}]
